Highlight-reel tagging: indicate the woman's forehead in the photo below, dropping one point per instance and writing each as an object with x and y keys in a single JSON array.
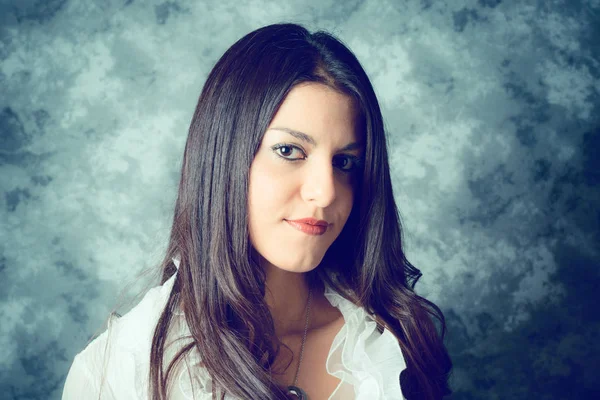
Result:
[{"x": 315, "y": 110}]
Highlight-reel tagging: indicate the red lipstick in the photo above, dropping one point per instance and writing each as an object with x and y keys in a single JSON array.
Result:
[{"x": 310, "y": 226}]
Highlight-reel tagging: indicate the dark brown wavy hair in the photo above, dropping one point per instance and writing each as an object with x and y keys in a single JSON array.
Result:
[{"x": 220, "y": 283}]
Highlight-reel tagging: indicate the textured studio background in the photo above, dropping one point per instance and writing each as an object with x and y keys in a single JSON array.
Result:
[{"x": 492, "y": 109}]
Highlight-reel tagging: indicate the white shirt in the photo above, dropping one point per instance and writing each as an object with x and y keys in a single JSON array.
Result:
[{"x": 367, "y": 362}]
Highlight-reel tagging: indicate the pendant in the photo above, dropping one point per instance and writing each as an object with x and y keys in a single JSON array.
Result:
[{"x": 296, "y": 391}]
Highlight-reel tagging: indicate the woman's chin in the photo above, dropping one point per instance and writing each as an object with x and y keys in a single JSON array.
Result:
[{"x": 299, "y": 268}]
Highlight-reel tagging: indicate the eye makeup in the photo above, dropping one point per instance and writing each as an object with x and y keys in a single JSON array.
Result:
[{"x": 355, "y": 162}]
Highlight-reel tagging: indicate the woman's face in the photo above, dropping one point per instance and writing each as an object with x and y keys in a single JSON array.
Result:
[{"x": 307, "y": 173}]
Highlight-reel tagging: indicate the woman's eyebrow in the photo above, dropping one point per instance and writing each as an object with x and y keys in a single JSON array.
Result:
[{"x": 309, "y": 139}]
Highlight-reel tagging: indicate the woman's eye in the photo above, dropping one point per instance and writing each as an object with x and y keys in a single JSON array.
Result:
[
  {"x": 285, "y": 151},
  {"x": 347, "y": 163}
]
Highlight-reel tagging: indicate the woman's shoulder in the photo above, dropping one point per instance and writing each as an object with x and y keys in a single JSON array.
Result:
[
  {"x": 364, "y": 354},
  {"x": 118, "y": 358},
  {"x": 135, "y": 328}
]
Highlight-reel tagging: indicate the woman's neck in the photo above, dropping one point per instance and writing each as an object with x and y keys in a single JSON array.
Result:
[{"x": 286, "y": 296}]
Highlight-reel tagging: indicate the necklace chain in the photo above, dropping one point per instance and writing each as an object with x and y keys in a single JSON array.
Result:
[{"x": 304, "y": 336}]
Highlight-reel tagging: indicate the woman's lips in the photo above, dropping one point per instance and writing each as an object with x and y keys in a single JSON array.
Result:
[{"x": 315, "y": 230}]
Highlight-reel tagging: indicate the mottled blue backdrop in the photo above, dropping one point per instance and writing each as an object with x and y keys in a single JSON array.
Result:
[{"x": 492, "y": 110}]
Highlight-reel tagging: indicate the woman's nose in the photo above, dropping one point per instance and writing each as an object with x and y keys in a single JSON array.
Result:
[{"x": 319, "y": 185}]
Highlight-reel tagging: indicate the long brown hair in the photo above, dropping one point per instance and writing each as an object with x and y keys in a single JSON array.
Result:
[{"x": 219, "y": 281}]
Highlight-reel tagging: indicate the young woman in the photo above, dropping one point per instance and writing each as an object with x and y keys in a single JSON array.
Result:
[{"x": 284, "y": 275}]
